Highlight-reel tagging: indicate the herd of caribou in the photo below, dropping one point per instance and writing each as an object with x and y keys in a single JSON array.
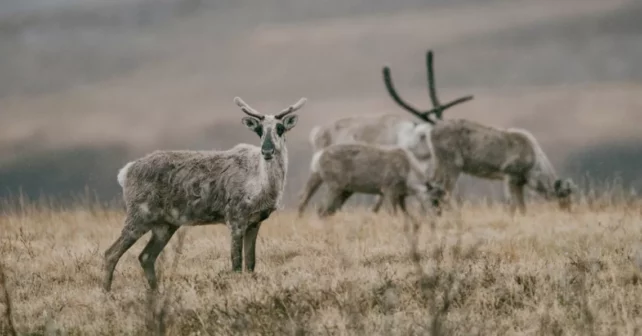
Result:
[{"x": 385, "y": 155}]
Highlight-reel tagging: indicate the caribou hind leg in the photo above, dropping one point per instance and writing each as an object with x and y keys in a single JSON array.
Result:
[
  {"x": 391, "y": 198},
  {"x": 311, "y": 187},
  {"x": 161, "y": 234},
  {"x": 133, "y": 230},
  {"x": 334, "y": 200}
]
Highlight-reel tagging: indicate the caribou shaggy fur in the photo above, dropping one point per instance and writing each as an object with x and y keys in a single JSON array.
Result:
[
  {"x": 385, "y": 130},
  {"x": 390, "y": 171},
  {"x": 240, "y": 187},
  {"x": 514, "y": 155}
]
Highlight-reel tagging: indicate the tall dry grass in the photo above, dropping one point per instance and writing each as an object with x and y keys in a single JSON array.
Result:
[{"x": 476, "y": 270}]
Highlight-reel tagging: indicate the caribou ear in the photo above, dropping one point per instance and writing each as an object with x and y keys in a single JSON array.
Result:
[
  {"x": 289, "y": 121},
  {"x": 254, "y": 124},
  {"x": 250, "y": 122}
]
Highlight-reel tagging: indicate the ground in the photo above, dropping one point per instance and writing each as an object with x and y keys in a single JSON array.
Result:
[{"x": 477, "y": 271}]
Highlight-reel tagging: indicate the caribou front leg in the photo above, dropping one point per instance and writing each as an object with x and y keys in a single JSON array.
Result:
[
  {"x": 236, "y": 246},
  {"x": 249, "y": 242},
  {"x": 515, "y": 191},
  {"x": 378, "y": 204}
]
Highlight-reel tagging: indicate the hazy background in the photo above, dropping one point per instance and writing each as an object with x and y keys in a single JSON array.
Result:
[{"x": 86, "y": 85}]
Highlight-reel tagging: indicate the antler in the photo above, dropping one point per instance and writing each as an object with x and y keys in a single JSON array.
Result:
[
  {"x": 292, "y": 108},
  {"x": 437, "y": 109},
  {"x": 247, "y": 109},
  {"x": 387, "y": 79}
]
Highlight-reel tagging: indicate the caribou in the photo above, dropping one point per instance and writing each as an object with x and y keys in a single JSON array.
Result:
[
  {"x": 513, "y": 155},
  {"x": 390, "y": 171},
  {"x": 239, "y": 187},
  {"x": 389, "y": 129},
  {"x": 464, "y": 146}
]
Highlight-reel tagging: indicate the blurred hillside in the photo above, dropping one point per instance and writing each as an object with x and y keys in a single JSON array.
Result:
[{"x": 86, "y": 86}]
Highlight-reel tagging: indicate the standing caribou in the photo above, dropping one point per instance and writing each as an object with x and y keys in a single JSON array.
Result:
[
  {"x": 388, "y": 129},
  {"x": 240, "y": 187}
]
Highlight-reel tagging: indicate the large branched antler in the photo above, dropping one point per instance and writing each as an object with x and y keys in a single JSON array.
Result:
[
  {"x": 387, "y": 78},
  {"x": 437, "y": 109}
]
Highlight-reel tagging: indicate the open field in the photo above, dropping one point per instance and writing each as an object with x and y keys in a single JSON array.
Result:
[
  {"x": 86, "y": 86},
  {"x": 478, "y": 272}
]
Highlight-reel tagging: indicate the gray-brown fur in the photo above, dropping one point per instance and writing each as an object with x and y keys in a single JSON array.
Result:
[
  {"x": 389, "y": 129},
  {"x": 390, "y": 171},
  {"x": 239, "y": 187},
  {"x": 383, "y": 130},
  {"x": 512, "y": 155}
]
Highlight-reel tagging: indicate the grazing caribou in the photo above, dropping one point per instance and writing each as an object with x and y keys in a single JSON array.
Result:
[
  {"x": 463, "y": 146},
  {"x": 389, "y": 129},
  {"x": 390, "y": 171},
  {"x": 512, "y": 155}
]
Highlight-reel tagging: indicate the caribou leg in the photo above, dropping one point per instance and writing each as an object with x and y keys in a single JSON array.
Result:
[
  {"x": 515, "y": 189},
  {"x": 311, "y": 187},
  {"x": 334, "y": 200}
]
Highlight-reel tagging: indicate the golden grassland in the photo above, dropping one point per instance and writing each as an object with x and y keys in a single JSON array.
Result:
[{"x": 475, "y": 270}]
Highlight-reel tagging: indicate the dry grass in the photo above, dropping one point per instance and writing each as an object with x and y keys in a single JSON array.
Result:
[{"x": 478, "y": 272}]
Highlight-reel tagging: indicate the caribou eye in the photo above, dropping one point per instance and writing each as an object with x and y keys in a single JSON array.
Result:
[
  {"x": 259, "y": 130},
  {"x": 280, "y": 129}
]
